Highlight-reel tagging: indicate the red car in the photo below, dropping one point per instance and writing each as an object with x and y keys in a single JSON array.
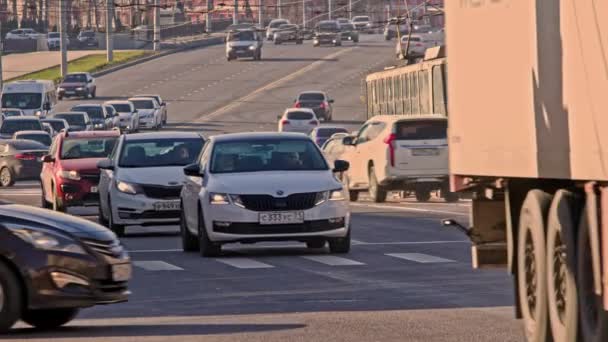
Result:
[{"x": 69, "y": 173}]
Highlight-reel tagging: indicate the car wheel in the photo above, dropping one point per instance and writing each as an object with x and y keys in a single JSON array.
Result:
[
  {"x": 10, "y": 298},
  {"x": 49, "y": 318},
  {"x": 376, "y": 191},
  {"x": 189, "y": 241},
  {"x": 118, "y": 229},
  {"x": 423, "y": 195},
  {"x": 207, "y": 247},
  {"x": 57, "y": 204},
  {"x": 45, "y": 204},
  {"x": 277, "y": 42},
  {"x": 340, "y": 245},
  {"x": 315, "y": 244},
  {"x": 59, "y": 97},
  {"x": 94, "y": 93},
  {"x": 353, "y": 195},
  {"x": 6, "y": 177},
  {"x": 451, "y": 197}
]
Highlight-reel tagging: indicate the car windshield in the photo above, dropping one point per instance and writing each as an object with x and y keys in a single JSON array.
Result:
[
  {"x": 311, "y": 97},
  {"x": 288, "y": 27},
  {"x": 276, "y": 24},
  {"x": 77, "y": 148},
  {"x": 421, "y": 130},
  {"x": 328, "y": 132},
  {"x": 56, "y": 124},
  {"x": 44, "y": 139},
  {"x": 94, "y": 112},
  {"x": 13, "y": 126},
  {"x": 76, "y": 78},
  {"x": 72, "y": 119},
  {"x": 122, "y": 107},
  {"x": 266, "y": 155},
  {"x": 53, "y": 35},
  {"x": 143, "y": 104},
  {"x": 299, "y": 116},
  {"x": 241, "y": 36},
  {"x": 328, "y": 27},
  {"x": 361, "y": 19},
  {"x": 160, "y": 152},
  {"x": 88, "y": 34},
  {"x": 22, "y": 100}
]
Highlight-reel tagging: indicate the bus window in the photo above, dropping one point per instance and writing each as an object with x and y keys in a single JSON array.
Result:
[
  {"x": 423, "y": 83},
  {"x": 438, "y": 91}
]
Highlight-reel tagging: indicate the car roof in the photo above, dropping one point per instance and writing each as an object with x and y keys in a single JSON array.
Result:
[
  {"x": 259, "y": 135},
  {"x": 147, "y": 95},
  {"x": 70, "y": 113},
  {"x": 91, "y": 134},
  {"x": 77, "y": 73},
  {"x": 31, "y": 132},
  {"x": 293, "y": 110},
  {"x": 21, "y": 118},
  {"x": 162, "y": 135},
  {"x": 329, "y": 127},
  {"x": 52, "y": 119},
  {"x": 88, "y": 105},
  {"x": 150, "y": 98},
  {"x": 395, "y": 118},
  {"x": 312, "y": 92},
  {"x": 118, "y": 102}
]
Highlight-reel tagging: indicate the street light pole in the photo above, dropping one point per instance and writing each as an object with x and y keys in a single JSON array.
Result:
[
  {"x": 303, "y": 14},
  {"x": 235, "y": 15},
  {"x": 261, "y": 14},
  {"x": 350, "y": 9},
  {"x": 63, "y": 39},
  {"x": 208, "y": 15},
  {"x": 109, "y": 40},
  {"x": 329, "y": 6},
  {"x": 156, "y": 25},
  {"x": 280, "y": 8}
]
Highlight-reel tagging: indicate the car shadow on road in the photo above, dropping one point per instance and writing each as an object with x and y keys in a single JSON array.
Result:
[{"x": 147, "y": 330}]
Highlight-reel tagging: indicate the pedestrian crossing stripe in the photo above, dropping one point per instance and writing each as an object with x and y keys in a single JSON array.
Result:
[
  {"x": 419, "y": 257},
  {"x": 243, "y": 263}
]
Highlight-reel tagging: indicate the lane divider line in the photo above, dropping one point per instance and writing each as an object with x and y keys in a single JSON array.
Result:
[{"x": 394, "y": 207}]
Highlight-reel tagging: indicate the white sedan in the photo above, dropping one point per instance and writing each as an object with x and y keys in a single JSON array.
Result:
[
  {"x": 251, "y": 187},
  {"x": 298, "y": 120},
  {"x": 150, "y": 115}
]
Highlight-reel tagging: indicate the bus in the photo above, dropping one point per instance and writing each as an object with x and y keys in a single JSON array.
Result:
[{"x": 409, "y": 90}]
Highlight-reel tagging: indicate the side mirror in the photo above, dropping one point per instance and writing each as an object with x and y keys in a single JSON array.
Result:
[
  {"x": 105, "y": 164},
  {"x": 193, "y": 170},
  {"x": 46, "y": 106},
  {"x": 48, "y": 159},
  {"x": 279, "y": 117},
  {"x": 348, "y": 141},
  {"x": 163, "y": 104},
  {"x": 90, "y": 81},
  {"x": 331, "y": 101},
  {"x": 341, "y": 166}
]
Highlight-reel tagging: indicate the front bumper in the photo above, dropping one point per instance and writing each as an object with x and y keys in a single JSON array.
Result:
[
  {"x": 238, "y": 53},
  {"x": 139, "y": 210},
  {"x": 78, "y": 193},
  {"x": 147, "y": 122},
  {"x": 72, "y": 92}
]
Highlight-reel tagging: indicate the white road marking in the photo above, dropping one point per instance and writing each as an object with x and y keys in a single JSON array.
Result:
[
  {"x": 156, "y": 251},
  {"x": 361, "y": 243},
  {"x": 333, "y": 260},
  {"x": 419, "y": 257},
  {"x": 156, "y": 265},
  {"x": 243, "y": 263},
  {"x": 394, "y": 207}
]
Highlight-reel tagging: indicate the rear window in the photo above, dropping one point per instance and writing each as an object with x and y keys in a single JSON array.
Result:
[
  {"x": 72, "y": 119},
  {"x": 24, "y": 145},
  {"x": 12, "y": 126},
  {"x": 143, "y": 104},
  {"x": 361, "y": 19},
  {"x": 276, "y": 24},
  {"x": 328, "y": 132},
  {"x": 312, "y": 97},
  {"x": 41, "y": 138},
  {"x": 57, "y": 125},
  {"x": 94, "y": 112},
  {"x": 299, "y": 116},
  {"x": 422, "y": 130}
]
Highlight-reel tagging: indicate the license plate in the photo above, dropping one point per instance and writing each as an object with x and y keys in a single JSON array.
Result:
[
  {"x": 94, "y": 189},
  {"x": 121, "y": 272},
  {"x": 70, "y": 92},
  {"x": 282, "y": 217},
  {"x": 425, "y": 152},
  {"x": 164, "y": 206}
]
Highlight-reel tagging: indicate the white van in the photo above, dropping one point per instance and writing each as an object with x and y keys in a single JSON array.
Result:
[{"x": 33, "y": 97}]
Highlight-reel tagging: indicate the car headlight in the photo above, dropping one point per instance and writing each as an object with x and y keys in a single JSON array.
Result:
[
  {"x": 69, "y": 174},
  {"x": 215, "y": 198},
  {"x": 128, "y": 188},
  {"x": 47, "y": 240},
  {"x": 60, "y": 89},
  {"x": 38, "y": 113},
  {"x": 99, "y": 125},
  {"x": 80, "y": 88},
  {"x": 252, "y": 47},
  {"x": 332, "y": 195}
]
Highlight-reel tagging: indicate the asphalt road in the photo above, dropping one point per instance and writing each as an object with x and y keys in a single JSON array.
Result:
[{"x": 406, "y": 278}]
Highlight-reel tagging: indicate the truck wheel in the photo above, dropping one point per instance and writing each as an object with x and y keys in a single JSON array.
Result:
[
  {"x": 532, "y": 266},
  {"x": 451, "y": 197},
  {"x": 49, "y": 318},
  {"x": 189, "y": 241},
  {"x": 561, "y": 266},
  {"x": 423, "y": 195},
  {"x": 10, "y": 298},
  {"x": 207, "y": 247},
  {"x": 593, "y": 318},
  {"x": 376, "y": 191}
]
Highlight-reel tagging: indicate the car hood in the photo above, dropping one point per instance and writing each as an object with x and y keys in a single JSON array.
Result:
[
  {"x": 165, "y": 176},
  {"x": 124, "y": 115},
  {"x": 71, "y": 84},
  {"x": 271, "y": 182},
  {"x": 56, "y": 221},
  {"x": 81, "y": 165},
  {"x": 143, "y": 112}
]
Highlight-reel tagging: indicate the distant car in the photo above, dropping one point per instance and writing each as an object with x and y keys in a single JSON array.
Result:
[
  {"x": 78, "y": 84},
  {"x": 14, "y": 124},
  {"x": 244, "y": 44},
  {"x": 318, "y": 101},
  {"x": 42, "y": 137},
  {"x": 128, "y": 115},
  {"x": 263, "y": 186},
  {"x": 342, "y": 21},
  {"x": 8, "y": 112},
  {"x": 53, "y": 40},
  {"x": 78, "y": 121},
  {"x": 150, "y": 115},
  {"x": 322, "y": 133},
  {"x": 142, "y": 182},
  {"x": 327, "y": 32},
  {"x": 307, "y": 34},
  {"x": 163, "y": 105},
  {"x": 69, "y": 174},
  {"x": 298, "y": 120},
  {"x": 23, "y": 33},
  {"x": 288, "y": 33},
  {"x": 417, "y": 47},
  {"x": 334, "y": 148},
  {"x": 273, "y": 26},
  {"x": 363, "y": 23},
  {"x": 55, "y": 264},
  {"x": 100, "y": 118},
  {"x": 57, "y": 124},
  {"x": 390, "y": 30},
  {"x": 87, "y": 39},
  {"x": 349, "y": 33},
  {"x": 48, "y": 128},
  {"x": 20, "y": 160}
]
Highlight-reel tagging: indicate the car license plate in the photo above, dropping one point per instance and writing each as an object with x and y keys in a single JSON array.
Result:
[
  {"x": 425, "y": 152},
  {"x": 70, "y": 92},
  {"x": 121, "y": 272},
  {"x": 282, "y": 217},
  {"x": 164, "y": 206},
  {"x": 94, "y": 189}
]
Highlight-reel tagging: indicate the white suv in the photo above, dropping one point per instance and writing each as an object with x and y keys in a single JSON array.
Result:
[{"x": 400, "y": 153}]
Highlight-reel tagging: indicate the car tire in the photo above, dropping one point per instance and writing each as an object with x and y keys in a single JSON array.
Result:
[
  {"x": 376, "y": 191},
  {"x": 299, "y": 42},
  {"x": 47, "y": 319},
  {"x": 94, "y": 93},
  {"x": 190, "y": 242},
  {"x": 340, "y": 245},
  {"x": 59, "y": 97},
  {"x": 315, "y": 243},
  {"x": 277, "y": 42},
  {"x": 118, "y": 229},
  {"x": 6, "y": 177},
  {"x": 353, "y": 195},
  {"x": 451, "y": 197},
  {"x": 11, "y": 298},
  {"x": 44, "y": 203},
  {"x": 57, "y": 204},
  {"x": 423, "y": 195},
  {"x": 101, "y": 216},
  {"x": 207, "y": 248}
]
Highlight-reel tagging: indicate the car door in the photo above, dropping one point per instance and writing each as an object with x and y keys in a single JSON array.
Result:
[
  {"x": 192, "y": 189},
  {"x": 364, "y": 151},
  {"x": 355, "y": 171},
  {"x": 106, "y": 179}
]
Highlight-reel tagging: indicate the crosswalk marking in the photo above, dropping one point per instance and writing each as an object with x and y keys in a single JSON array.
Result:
[
  {"x": 243, "y": 263},
  {"x": 419, "y": 257},
  {"x": 156, "y": 265},
  {"x": 333, "y": 260}
]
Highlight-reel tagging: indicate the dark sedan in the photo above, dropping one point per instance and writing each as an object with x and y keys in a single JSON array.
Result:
[
  {"x": 349, "y": 32},
  {"x": 53, "y": 264},
  {"x": 77, "y": 121},
  {"x": 20, "y": 160},
  {"x": 14, "y": 124},
  {"x": 318, "y": 101}
]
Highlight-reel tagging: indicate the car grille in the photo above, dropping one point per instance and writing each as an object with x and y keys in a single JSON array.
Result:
[
  {"x": 109, "y": 286},
  {"x": 241, "y": 48},
  {"x": 150, "y": 215},
  {"x": 69, "y": 88},
  {"x": 301, "y": 201},
  {"x": 109, "y": 248},
  {"x": 164, "y": 192},
  {"x": 91, "y": 177},
  {"x": 247, "y": 228}
]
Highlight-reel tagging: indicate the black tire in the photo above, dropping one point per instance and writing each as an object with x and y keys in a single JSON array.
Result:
[
  {"x": 451, "y": 197},
  {"x": 277, "y": 42},
  {"x": 57, "y": 204},
  {"x": 59, "y": 98},
  {"x": 94, "y": 93},
  {"x": 532, "y": 266},
  {"x": 189, "y": 241},
  {"x": 561, "y": 266},
  {"x": 315, "y": 244},
  {"x": 6, "y": 177},
  {"x": 49, "y": 318},
  {"x": 118, "y": 229},
  {"x": 299, "y": 42},
  {"x": 44, "y": 203},
  {"x": 376, "y": 191},
  {"x": 102, "y": 220},
  {"x": 207, "y": 247},
  {"x": 353, "y": 195},
  {"x": 340, "y": 245},
  {"x": 593, "y": 324},
  {"x": 11, "y": 298},
  {"x": 423, "y": 195}
]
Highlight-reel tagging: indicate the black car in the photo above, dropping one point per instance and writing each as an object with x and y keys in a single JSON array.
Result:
[
  {"x": 14, "y": 124},
  {"x": 390, "y": 30},
  {"x": 288, "y": 33},
  {"x": 53, "y": 264},
  {"x": 349, "y": 32},
  {"x": 78, "y": 121},
  {"x": 327, "y": 32},
  {"x": 100, "y": 118},
  {"x": 20, "y": 160},
  {"x": 57, "y": 124},
  {"x": 318, "y": 101},
  {"x": 87, "y": 39}
]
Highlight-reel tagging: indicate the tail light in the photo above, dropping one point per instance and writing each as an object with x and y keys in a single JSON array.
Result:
[
  {"x": 390, "y": 141},
  {"x": 285, "y": 122},
  {"x": 25, "y": 156},
  {"x": 322, "y": 105},
  {"x": 298, "y": 105},
  {"x": 314, "y": 122},
  {"x": 418, "y": 45}
]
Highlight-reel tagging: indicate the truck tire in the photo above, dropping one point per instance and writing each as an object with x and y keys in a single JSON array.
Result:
[
  {"x": 49, "y": 318},
  {"x": 10, "y": 298},
  {"x": 376, "y": 191},
  {"x": 561, "y": 266},
  {"x": 423, "y": 195},
  {"x": 532, "y": 266},
  {"x": 593, "y": 319}
]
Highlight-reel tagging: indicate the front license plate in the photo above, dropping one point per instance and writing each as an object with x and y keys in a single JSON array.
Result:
[
  {"x": 282, "y": 217},
  {"x": 94, "y": 189},
  {"x": 425, "y": 152},
  {"x": 70, "y": 93},
  {"x": 121, "y": 272},
  {"x": 164, "y": 206}
]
